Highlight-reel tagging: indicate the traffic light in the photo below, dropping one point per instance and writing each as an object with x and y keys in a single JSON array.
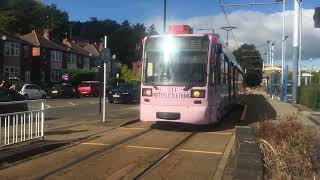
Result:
[{"x": 316, "y": 17}]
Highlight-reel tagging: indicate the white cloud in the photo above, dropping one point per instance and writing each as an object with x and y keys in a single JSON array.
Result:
[{"x": 256, "y": 28}]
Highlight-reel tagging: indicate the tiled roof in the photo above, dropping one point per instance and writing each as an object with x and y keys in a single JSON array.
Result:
[
  {"x": 36, "y": 39},
  {"x": 80, "y": 50},
  {"x": 91, "y": 49},
  {"x": 11, "y": 37}
]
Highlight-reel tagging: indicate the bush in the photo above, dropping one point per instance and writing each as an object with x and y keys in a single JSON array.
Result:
[
  {"x": 310, "y": 96},
  {"x": 287, "y": 149},
  {"x": 128, "y": 75},
  {"x": 78, "y": 75}
]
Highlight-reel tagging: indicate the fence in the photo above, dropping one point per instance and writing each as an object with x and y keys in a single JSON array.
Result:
[
  {"x": 310, "y": 96},
  {"x": 21, "y": 126}
]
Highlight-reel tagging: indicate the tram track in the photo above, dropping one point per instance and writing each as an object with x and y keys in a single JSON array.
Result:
[
  {"x": 106, "y": 149},
  {"x": 163, "y": 157}
]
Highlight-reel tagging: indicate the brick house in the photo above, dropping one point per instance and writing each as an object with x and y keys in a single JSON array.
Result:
[
  {"x": 80, "y": 58},
  {"x": 12, "y": 53},
  {"x": 48, "y": 57}
]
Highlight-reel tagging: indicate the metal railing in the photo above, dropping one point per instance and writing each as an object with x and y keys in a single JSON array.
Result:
[{"x": 21, "y": 126}]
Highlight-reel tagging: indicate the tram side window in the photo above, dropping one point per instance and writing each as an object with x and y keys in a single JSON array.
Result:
[
  {"x": 226, "y": 70},
  {"x": 222, "y": 69},
  {"x": 217, "y": 69},
  {"x": 212, "y": 65}
]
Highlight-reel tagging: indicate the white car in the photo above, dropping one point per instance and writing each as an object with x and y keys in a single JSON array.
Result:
[{"x": 32, "y": 91}]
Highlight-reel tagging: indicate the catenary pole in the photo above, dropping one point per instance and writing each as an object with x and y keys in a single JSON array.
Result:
[
  {"x": 283, "y": 40},
  {"x": 104, "y": 82},
  {"x": 295, "y": 52}
]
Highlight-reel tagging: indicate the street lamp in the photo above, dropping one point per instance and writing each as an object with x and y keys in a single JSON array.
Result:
[
  {"x": 164, "y": 16},
  {"x": 228, "y": 28}
]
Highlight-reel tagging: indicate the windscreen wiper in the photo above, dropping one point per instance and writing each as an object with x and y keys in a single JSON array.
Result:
[{"x": 154, "y": 85}]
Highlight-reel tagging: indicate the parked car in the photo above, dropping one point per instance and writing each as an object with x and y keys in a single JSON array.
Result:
[
  {"x": 13, "y": 80},
  {"x": 89, "y": 88},
  {"x": 64, "y": 90},
  {"x": 7, "y": 96},
  {"x": 32, "y": 91},
  {"x": 124, "y": 93}
]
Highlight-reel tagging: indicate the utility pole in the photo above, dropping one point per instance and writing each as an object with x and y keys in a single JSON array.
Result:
[
  {"x": 296, "y": 37},
  {"x": 104, "y": 82},
  {"x": 283, "y": 39},
  {"x": 300, "y": 43},
  {"x": 165, "y": 16},
  {"x": 272, "y": 54},
  {"x": 228, "y": 29}
]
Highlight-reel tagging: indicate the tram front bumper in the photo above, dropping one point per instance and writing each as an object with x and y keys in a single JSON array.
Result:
[{"x": 183, "y": 114}]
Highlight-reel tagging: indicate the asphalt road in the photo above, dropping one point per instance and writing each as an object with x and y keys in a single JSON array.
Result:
[{"x": 74, "y": 108}]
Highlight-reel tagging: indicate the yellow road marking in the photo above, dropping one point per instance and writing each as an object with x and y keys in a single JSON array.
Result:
[
  {"x": 133, "y": 128},
  {"x": 244, "y": 112},
  {"x": 222, "y": 133},
  {"x": 96, "y": 144},
  {"x": 203, "y": 152},
  {"x": 146, "y": 147},
  {"x": 223, "y": 163}
]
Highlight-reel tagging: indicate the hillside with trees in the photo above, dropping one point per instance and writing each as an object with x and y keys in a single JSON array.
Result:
[{"x": 21, "y": 16}]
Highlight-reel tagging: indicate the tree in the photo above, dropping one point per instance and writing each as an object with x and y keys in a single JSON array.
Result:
[
  {"x": 152, "y": 30},
  {"x": 127, "y": 75},
  {"x": 21, "y": 16},
  {"x": 249, "y": 58}
]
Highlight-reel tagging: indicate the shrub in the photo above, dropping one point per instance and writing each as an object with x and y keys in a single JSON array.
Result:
[{"x": 287, "y": 149}]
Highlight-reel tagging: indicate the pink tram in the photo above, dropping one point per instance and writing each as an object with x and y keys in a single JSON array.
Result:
[{"x": 187, "y": 78}]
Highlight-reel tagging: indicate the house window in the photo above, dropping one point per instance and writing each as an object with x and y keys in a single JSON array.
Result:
[
  {"x": 35, "y": 51},
  {"x": 11, "y": 49},
  {"x": 72, "y": 58},
  {"x": 86, "y": 61},
  {"x": 56, "y": 56},
  {"x": 27, "y": 76},
  {"x": 55, "y": 75},
  {"x": 11, "y": 71}
]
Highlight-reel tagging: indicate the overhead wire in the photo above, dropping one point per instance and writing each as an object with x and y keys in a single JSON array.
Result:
[{"x": 226, "y": 16}]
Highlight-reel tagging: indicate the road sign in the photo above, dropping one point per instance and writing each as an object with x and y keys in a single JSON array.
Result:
[{"x": 105, "y": 54}]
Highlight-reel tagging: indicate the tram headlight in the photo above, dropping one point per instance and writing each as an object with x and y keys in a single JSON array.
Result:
[
  {"x": 198, "y": 93},
  {"x": 146, "y": 92}
]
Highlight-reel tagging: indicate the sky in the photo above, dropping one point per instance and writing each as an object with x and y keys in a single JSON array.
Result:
[{"x": 255, "y": 24}]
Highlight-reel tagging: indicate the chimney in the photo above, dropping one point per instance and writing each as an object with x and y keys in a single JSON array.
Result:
[
  {"x": 46, "y": 34},
  {"x": 66, "y": 42}
]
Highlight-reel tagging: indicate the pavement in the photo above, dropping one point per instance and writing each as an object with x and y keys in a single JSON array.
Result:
[{"x": 262, "y": 107}]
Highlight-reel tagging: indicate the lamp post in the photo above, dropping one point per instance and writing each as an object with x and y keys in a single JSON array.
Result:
[
  {"x": 164, "y": 16},
  {"x": 228, "y": 29},
  {"x": 296, "y": 37}
]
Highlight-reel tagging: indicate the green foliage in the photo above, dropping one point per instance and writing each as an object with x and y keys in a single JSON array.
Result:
[
  {"x": 152, "y": 30},
  {"x": 21, "y": 16},
  {"x": 250, "y": 59},
  {"x": 316, "y": 78},
  {"x": 128, "y": 75},
  {"x": 78, "y": 75},
  {"x": 122, "y": 38},
  {"x": 310, "y": 96}
]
